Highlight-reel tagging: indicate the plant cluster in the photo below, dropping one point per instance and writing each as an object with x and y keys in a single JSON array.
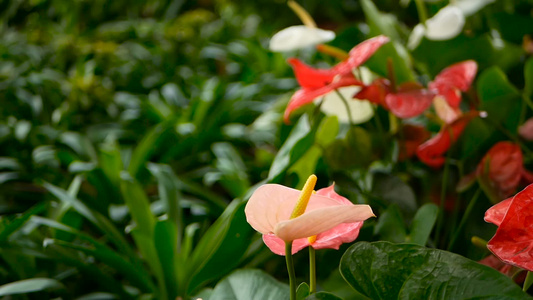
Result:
[{"x": 143, "y": 144}]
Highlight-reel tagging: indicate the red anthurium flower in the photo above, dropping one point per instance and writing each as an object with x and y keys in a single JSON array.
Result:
[
  {"x": 432, "y": 152},
  {"x": 503, "y": 166},
  {"x": 316, "y": 82},
  {"x": 453, "y": 80},
  {"x": 411, "y": 99},
  {"x": 513, "y": 241},
  {"x": 413, "y": 136}
]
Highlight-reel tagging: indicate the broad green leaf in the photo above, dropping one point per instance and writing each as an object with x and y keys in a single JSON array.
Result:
[
  {"x": 306, "y": 165},
  {"x": 221, "y": 248},
  {"x": 354, "y": 151},
  {"x": 382, "y": 270},
  {"x": 322, "y": 296},
  {"x": 499, "y": 98},
  {"x": 381, "y": 23},
  {"x": 391, "y": 226},
  {"x": 298, "y": 142},
  {"x": 392, "y": 189},
  {"x": 138, "y": 204},
  {"x": 437, "y": 55},
  {"x": 165, "y": 240},
  {"x": 250, "y": 285},
  {"x": 30, "y": 286},
  {"x": 327, "y": 131},
  {"x": 423, "y": 223}
]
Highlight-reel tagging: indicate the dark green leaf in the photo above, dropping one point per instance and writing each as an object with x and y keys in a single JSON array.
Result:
[
  {"x": 322, "y": 296},
  {"x": 382, "y": 270},
  {"x": 221, "y": 248},
  {"x": 138, "y": 204},
  {"x": 391, "y": 226},
  {"x": 165, "y": 240}
]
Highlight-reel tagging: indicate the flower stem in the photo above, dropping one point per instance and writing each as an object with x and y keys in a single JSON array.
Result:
[
  {"x": 528, "y": 282},
  {"x": 312, "y": 270},
  {"x": 440, "y": 218},
  {"x": 465, "y": 217},
  {"x": 347, "y": 106},
  {"x": 290, "y": 269},
  {"x": 422, "y": 14}
]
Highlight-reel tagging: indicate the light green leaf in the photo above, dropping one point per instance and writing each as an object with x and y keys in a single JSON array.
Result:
[
  {"x": 250, "y": 285},
  {"x": 30, "y": 286},
  {"x": 423, "y": 223}
]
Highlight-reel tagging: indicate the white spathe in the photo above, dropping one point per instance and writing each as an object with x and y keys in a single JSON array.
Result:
[
  {"x": 445, "y": 25},
  {"x": 360, "y": 110},
  {"x": 470, "y": 7},
  {"x": 300, "y": 36}
]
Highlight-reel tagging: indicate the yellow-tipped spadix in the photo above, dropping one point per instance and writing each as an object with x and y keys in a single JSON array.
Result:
[{"x": 305, "y": 195}]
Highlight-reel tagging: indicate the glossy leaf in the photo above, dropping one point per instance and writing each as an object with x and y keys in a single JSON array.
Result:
[
  {"x": 298, "y": 142},
  {"x": 391, "y": 226},
  {"x": 382, "y": 270},
  {"x": 423, "y": 223},
  {"x": 323, "y": 296},
  {"x": 221, "y": 247},
  {"x": 250, "y": 285}
]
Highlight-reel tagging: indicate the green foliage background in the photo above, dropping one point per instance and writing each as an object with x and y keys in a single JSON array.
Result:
[{"x": 133, "y": 132}]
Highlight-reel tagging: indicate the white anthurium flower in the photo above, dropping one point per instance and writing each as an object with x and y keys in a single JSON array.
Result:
[
  {"x": 360, "y": 110},
  {"x": 299, "y": 36},
  {"x": 470, "y": 7},
  {"x": 445, "y": 25}
]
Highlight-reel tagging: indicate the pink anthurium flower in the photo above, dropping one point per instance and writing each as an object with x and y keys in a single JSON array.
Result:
[
  {"x": 318, "y": 82},
  {"x": 330, "y": 217},
  {"x": 513, "y": 241}
]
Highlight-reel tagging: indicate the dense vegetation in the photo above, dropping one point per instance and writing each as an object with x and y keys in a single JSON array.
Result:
[{"x": 132, "y": 133}]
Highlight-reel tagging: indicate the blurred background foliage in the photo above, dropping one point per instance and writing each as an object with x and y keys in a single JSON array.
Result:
[{"x": 131, "y": 133}]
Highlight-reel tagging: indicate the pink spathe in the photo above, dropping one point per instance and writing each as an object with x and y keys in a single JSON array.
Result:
[{"x": 332, "y": 218}]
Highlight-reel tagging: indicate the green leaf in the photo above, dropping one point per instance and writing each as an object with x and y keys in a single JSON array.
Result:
[
  {"x": 499, "y": 98},
  {"x": 30, "y": 286},
  {"x": 302, "y": 291},
  {"x": 392, "y": 189},
  {"x": 322, "y": 296},
  {"x": 381, "y": 23},
  {"x": 138, "y": 204},
  {"x": 150, "y": 142},
  {"x": 97, "y": 219},
  {"x": 327, "y": 131},
  {"x": 354, "y": 151},
  {"x": 19, "y": 221},
  {"x": 423, "y": 223},
  {"x": 250, "y": 285},
  {"x": 221, "y": 248},
  {"x": 391, "y": 226},
  {"x": 306, "y": 165},
  {"x": 298, "y": 142},
  {"x": 382, "y": 270},
  {"x": 165, "y": 240}
]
